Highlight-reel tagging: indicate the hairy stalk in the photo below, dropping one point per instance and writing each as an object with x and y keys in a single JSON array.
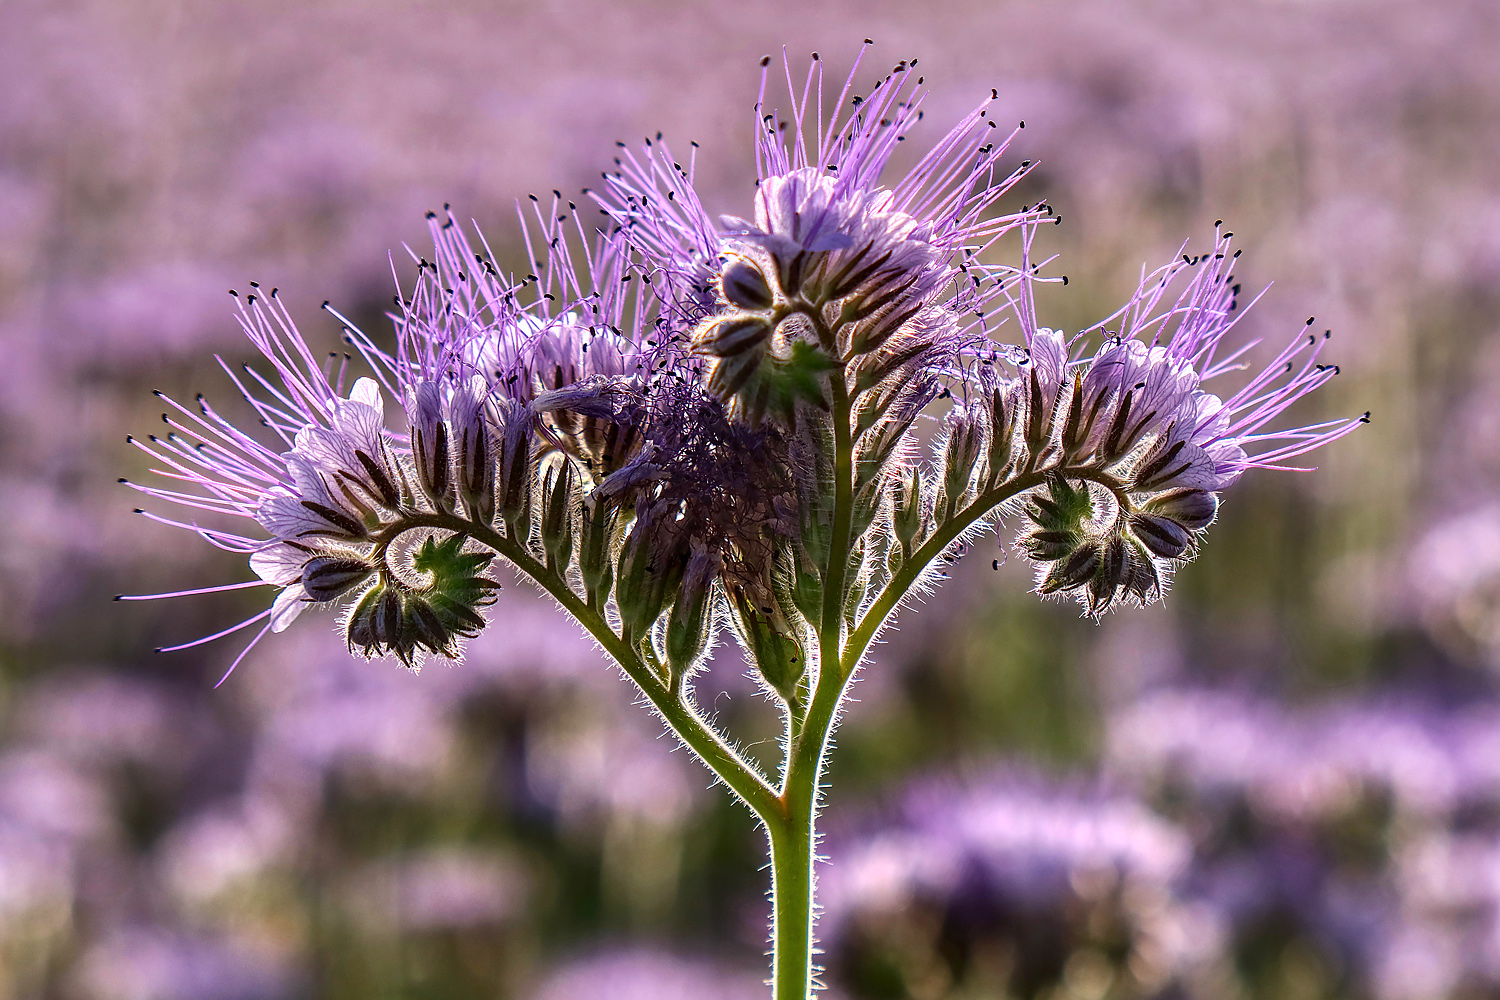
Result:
[
  {"x": 947, "y": 533},
  {"x": 741, "y": 777},
  {"x": 793, "y": 833}
]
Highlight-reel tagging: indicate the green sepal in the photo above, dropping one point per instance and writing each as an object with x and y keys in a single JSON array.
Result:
[{"x": 773, "y": 645}]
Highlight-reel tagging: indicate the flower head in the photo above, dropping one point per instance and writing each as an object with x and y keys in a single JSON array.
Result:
[
  {"x": 840, "y": 266},
  {"x": 1152, "y": 443}
]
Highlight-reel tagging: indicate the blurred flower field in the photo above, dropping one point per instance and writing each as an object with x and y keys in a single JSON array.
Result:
[{"x": 1285, "y": 783}]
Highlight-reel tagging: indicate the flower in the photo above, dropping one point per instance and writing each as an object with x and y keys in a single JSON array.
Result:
[
  {"x": 477, "y": 372},
  {"x": 835, "y": 265},
  {"x": 1152, "y": 446}
]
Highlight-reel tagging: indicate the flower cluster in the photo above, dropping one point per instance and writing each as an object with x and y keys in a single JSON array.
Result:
[{"x": 683, "y": 423}]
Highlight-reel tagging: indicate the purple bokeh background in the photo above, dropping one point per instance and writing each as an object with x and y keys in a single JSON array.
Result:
[{"x": 1283, "y": 783}]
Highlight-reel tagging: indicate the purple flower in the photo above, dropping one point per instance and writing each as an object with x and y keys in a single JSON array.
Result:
[
  {"x": 878, "y": 267},
  {"x": 1014, "y": 862},
  {"x": 481, "y": 365},
  {"x": 640, "y": 974},
  {"x": 1154, "y": 445}
]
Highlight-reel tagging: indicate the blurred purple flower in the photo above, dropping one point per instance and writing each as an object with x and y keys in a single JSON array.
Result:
[
  {"x": 1013, "y": 854},
  {"x": 441, "y": 890},
  {"x": 149, "y": 963},
  {"x": 648, "y": 975}
]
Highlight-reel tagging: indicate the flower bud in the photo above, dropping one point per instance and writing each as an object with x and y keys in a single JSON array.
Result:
[
  {"x": 1110, "y": 574},
  {"x": 515, "y": 474},
  {"x": 471, "y": 444},
  {"x": 594, "y": 545},
  {"x": 1161, "y": 535},
  {"x": 385, "y": 617},
  {"x": 806, "y": 585},
  {"x": 691, "y": 621},
  {"x": 772, "y": 644},
  {"x": 1192, "y": 508},
  {"x": 961, "y": 449},
  {"x": 729, "y": 375},
  {"x": 429, "y": 445},
  {"x": 557, "y": 515},
  {"x": 1065, "y": 508},
  {"x": 1050, "y": 546},
  {"x": 745, "y": 286},
  {"x": 360, "y": 629},
  {"x": 1073, "y": 571},
  {"x": 909, "y": 511},
  {"x": 1002, "y": 414},
  {"x": 326, "y": 578},
  {"x": 1141, "y": 576},
  {"x": 428, "y": 625},
  {"x": 732, "y": 336},
  {"x": 640, "y": 584}
]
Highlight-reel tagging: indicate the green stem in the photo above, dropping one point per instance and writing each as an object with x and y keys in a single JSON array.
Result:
[
  {"x": 946, "y": 534},
  {"x": 791, "y": 841},
  {"x": 793, "y": 832},
  {"x": 741, "y": 777}
]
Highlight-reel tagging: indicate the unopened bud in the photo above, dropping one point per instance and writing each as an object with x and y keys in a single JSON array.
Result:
[
  {"x": 472, "y": 445},
  {"x": 1142, "y": 578},
  {"x": 1191, "y": 508},
  {"x": 1050, "y": 546},
  {"x": 515, "y": 475},
  {"x": 732, "y": 336},
  {"x": 428, "y": 625},
  {"x": 909, "y": 512},
  {"x": 806, "y": 588},
  {"x": 960, "y": 455},
  {"x": 557, "y": 515},
  {"x": 1161, "y": 535},
  {"x": 1110, "y": 573},
  {"x": 745, "y": 286},
  {"x": 1074, "y": 571},
  {"x": 639, "y": 593},
  {"x": 593, "y": 551},
  {"x": 326, "y": 578},
  {"x": 1002, "y": 430},
  {"x": 730, "y": 375},
  {"x": 773, "y": 646},
  {"x": 429, "y": 445},
  {"x": 689, "y": 624},
  {"x": 1065, "y": 508}
]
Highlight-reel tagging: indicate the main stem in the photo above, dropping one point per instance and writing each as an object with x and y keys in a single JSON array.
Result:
[{"x": 793, "y": 832}]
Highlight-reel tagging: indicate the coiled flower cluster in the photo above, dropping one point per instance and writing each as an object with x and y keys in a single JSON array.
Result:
[
  {"x": 687, "y": 423},
  {"x": 682, "y": 425}
]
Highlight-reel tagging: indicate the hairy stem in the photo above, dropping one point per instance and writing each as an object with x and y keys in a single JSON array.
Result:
[
  {"x": 793, "y": 834},
  {"x": 741, "y": 777},
  {"x": 905, "y": 578}
]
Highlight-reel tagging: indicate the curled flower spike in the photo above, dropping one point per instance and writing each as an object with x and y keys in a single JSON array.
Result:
[
  {"x": 1149, "y": 445},
  {"x": 839, "y": 266},
  {"x": 687, "y": 424}
]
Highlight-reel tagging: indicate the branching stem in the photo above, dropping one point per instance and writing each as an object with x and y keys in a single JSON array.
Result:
[{"x": 741, "y": 777}]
